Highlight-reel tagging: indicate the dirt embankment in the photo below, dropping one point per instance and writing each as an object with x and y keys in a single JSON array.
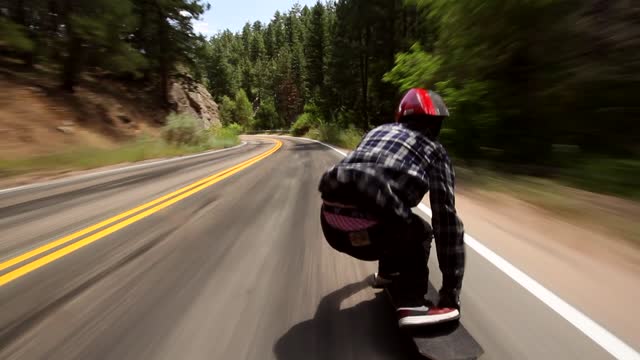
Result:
[{"x": 38, "y": 118}]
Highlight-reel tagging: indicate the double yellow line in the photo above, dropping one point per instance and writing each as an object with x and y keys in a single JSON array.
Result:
[{"x": 140, "y": 212}]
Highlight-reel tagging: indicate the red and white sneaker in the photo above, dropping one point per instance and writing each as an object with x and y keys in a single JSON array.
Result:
[{"x": 425, "y": 315}]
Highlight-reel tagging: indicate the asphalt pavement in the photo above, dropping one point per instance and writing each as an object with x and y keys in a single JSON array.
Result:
[{"x": 232, "y": 267}]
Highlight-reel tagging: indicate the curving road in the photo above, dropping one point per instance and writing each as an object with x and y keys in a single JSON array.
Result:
[{"x": 234, "y": 267}]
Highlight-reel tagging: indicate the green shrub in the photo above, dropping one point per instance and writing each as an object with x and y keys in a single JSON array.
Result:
[
  {"x": 313, "y": 133},
  {"x": 331, "y": 133},
  {"x": 266, "y": 117},
  {"x": 237, "y": 129},
  {"x": 243, "y": 111},
  {"x": 227, "y": 107},
  {"x": 224, "y": 137},
  {"x": 15, "y": 37},
  {"x": 303, "y": 124},
  {"x": 239, "y": 110},
  {"x": 351, "y": 137},
  {"x": 181, "y": 136},
  {"x": 613, "y": 176},
  {"x": 310, "y": 118},
  {"x": 183, "y": 130},
  {"x": 346, "y": 118}
]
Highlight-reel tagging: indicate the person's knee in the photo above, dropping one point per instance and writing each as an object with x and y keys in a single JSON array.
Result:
[{"x": 420, "y": 228}]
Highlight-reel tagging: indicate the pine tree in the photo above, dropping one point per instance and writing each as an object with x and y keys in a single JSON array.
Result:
[
  {"x": 316, "y": 45},
  {"x": 166, "y": 35}
]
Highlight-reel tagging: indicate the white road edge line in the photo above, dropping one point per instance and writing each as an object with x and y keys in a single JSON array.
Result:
[
  {"x": 112, "y": 171},
  {"x": 601, "y": 336}
]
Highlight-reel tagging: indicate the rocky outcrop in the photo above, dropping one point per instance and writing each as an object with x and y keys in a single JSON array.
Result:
[{"x": 190, "y": 97}]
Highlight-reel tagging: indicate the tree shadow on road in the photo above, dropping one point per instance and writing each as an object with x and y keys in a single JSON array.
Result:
[
  {"x": 365, "y": 331},
  {"x": 309, "y": 147}
]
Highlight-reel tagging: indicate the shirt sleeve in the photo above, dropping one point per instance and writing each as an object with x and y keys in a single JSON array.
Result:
[{"x": 447, "y": 226}]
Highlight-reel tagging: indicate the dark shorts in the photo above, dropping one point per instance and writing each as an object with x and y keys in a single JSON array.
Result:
[
  {"x": 370, "y": 236},
  {"x": 354, "y": 232},
  {"x": 400, "y": 245}
]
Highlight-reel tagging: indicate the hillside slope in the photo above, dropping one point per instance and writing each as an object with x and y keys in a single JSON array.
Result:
[{"x": 37, "y": 118}]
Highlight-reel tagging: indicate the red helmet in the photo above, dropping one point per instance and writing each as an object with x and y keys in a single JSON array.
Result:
[{"x": 419, "y": 101}]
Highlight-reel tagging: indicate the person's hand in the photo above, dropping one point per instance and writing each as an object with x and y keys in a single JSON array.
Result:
[{"x": 449, "y": 299}]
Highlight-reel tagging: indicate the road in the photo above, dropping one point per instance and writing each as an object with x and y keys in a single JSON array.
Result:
[{"x": 232, "y": 268}]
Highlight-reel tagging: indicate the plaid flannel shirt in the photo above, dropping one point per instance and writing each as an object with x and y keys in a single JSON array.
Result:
[{"x": 396, "y": 167}]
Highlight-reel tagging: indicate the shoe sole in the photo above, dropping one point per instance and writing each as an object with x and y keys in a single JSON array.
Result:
[{"x": 416, "y": 321}]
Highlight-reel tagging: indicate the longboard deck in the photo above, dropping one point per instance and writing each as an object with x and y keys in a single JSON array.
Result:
[{"x": 446, "y": 341}]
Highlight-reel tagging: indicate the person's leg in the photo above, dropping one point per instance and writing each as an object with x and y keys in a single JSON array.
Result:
[
  {"x": 388, "y": 269},
  {"x": 411, "y": 256},
  {"x": 415, "y": 311},
  {"x": 387, "y": 266},
  {"x": 421, "y": 236}
]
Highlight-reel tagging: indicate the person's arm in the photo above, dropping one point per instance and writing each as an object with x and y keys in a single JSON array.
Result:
[{"x": 448, "y": 229}]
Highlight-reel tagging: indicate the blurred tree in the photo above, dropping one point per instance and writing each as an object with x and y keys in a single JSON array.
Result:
[
  {"x": 15, "y": 37},
  {"x": 222, "y": 76},
  {"x": 520, "y": 77},
  {"x": 243, "y": 112},
  {"x": 287, "y": 95},
  {"x": 294, "y": 31},
  {"x": 509, "y": 94},
  {"x": 270, "y": 41},
  {"x": 246, "y": 39},
  {"x": 165, "y": 35},
  {"x": 227, "y": 108},
  {"x": 266, "y": 116},
  {"x": 97, "y": 30},
  {"x": 316, "y": 45},
  {"x": 18, "y": 28},
  {"x": 487, "y": 73},
  {"x": 258, "y": 50}
]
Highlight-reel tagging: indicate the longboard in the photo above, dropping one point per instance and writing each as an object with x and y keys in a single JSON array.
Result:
[{"x": 446, "y": 341}]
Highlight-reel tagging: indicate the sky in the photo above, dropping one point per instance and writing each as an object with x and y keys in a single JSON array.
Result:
[{"x": 233, "y": 14}]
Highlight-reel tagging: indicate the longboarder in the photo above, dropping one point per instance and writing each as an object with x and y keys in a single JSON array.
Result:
[{"x": 367, "y": 202}]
